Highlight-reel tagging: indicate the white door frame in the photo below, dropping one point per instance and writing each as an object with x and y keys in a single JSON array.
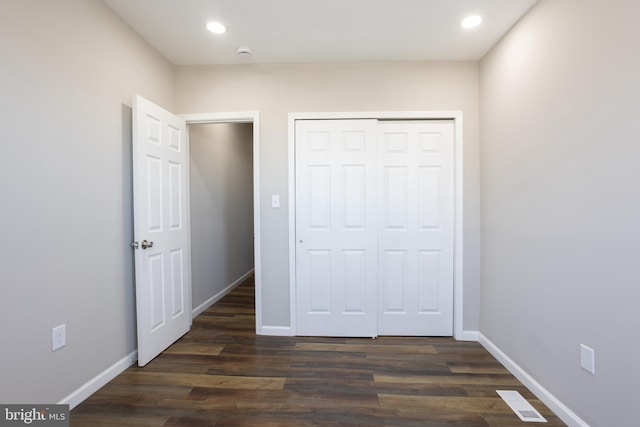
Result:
[
  {"x": 456, "y": 116},
  {"x": 254, "y": 118}
]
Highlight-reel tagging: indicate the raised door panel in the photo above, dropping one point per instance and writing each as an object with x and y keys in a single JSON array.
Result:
[
  {"x": 154, "y": 190},
  {"x": 355, "y": 281},
  {"x": 176, "y": 198}
]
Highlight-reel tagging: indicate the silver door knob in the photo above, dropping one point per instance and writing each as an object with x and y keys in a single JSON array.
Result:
[
  {"x": 134, "y": 245},
  {"x": 146, "y": 244}
]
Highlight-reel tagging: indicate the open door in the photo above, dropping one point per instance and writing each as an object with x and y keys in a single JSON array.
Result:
[{"x": 162, "y": 257}]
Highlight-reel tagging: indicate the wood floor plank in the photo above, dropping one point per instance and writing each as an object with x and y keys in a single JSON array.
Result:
[
  {"x": 234, "y": 422},
  {"x": 477, "y": 368},
  {"x": 364, "y": 348},
  {"x": 185, "y": 347},
  {"x": 202, "y": 398},
  {"x": 222, "y": 374},
  {"x": 196, "y": 380},
  {"x": 302, "y": 385},
  {"x": 501, "y": 380},
  {"x": 446, "y": 404},
  {"x": 491, "y": 408},
  {"x": 178, "y": 367},
  {"x": 113, "y": 391},
  {"x": 117, "y": 420},
  {"x": 484, "y": 390}
]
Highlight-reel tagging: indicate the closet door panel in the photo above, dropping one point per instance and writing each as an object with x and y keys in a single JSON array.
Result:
[
  {"x": 336, "y": 227},
  {"x": 416, "y": 216}
]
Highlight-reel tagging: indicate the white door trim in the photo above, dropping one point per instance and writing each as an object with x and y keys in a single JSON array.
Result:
[
  {"x": 244, "y": 117},
  {"x": 456, "y": 116}
]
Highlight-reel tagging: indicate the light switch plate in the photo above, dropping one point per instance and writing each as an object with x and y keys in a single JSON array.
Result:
[
  {"x": 275, "y": 201},
  {"x": 588, "y": 359},
  {"x": 58, "y": 337}
]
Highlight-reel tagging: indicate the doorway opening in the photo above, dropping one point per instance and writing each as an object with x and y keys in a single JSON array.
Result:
[
  {"x": 225, "y": 216},
  {"x": 220, "y": 209}
]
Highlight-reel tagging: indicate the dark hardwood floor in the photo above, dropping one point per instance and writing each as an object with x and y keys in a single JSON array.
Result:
[{"x": 222, "y": 374}]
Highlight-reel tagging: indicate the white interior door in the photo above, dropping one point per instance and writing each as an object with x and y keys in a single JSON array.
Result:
[
  {"x": 374, "y": 227},
  {"x": 416, "y": 228},
  {"x": 162, "y": 258},
  {"x": 336, "y": 227}
]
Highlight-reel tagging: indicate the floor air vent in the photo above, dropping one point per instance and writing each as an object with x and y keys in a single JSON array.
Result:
[{"x": 521, "y": 407}]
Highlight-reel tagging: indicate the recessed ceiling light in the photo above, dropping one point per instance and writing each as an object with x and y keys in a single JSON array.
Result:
[
  {"x": 471, "y": 21},
  {"x": 216, "y": 27}
]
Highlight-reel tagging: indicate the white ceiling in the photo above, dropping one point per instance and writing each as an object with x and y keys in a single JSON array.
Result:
[{"x": 289, "y": 31}]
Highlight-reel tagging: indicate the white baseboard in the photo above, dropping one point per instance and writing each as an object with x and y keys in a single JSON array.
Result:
[
  {"x": 93, "y": 385},
  {"x": 559, "y": 408},
  {"x": 467, "y": 336},
  {"x": 217, "y": 297},
  {"x": 276, "y": 331}
]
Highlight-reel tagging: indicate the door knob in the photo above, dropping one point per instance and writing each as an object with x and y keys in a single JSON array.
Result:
[{"x": 146, "y": 244}]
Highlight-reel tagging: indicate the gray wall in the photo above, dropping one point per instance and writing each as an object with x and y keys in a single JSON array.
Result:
[
  {"x": 69, "y": 70},
  {"x": 221, "y": 191},
  {"x": 276, "y": 90},
  {"x": 561, "y": 201}
]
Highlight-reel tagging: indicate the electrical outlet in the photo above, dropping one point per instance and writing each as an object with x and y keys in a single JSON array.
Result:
[
  {"x": 588, "y": 359},
  {"x": 58, "y": 337}
]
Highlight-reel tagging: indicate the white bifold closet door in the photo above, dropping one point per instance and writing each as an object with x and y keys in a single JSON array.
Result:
[{"x": 374, "y": 227}]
